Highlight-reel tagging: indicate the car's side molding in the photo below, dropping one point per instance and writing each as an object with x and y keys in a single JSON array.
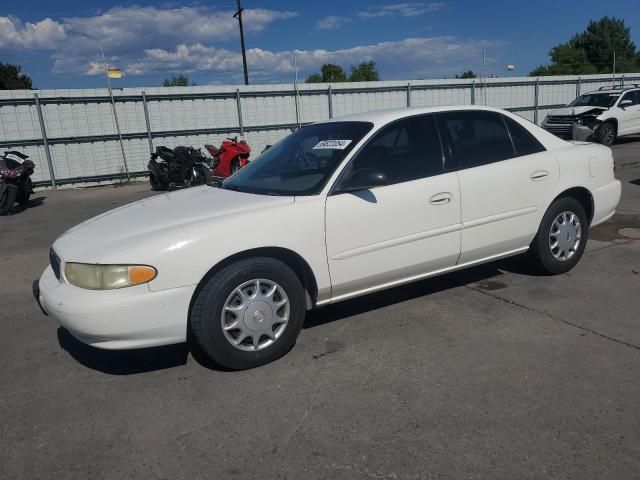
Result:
[{"x": 421, "y": 276}]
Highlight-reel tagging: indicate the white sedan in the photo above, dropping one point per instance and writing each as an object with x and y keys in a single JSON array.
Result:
[{"x": 338, "y": 209}]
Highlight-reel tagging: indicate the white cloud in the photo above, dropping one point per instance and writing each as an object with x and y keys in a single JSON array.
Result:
[
  {"x": 409, "y": 9},
  {"x": 332, "y": 22},
  {"x": 45, "y": 34},
  {"x": 124, "y": 32},
  {"x": 409, "y": 58}
]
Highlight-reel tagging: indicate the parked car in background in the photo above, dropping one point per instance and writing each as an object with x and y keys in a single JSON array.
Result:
[
  {"x": 600, "y": 116},
  {"x": 338, "y": 209}
]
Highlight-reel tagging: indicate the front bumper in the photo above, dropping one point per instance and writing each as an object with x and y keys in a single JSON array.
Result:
[
  {"x": 133, "y": 317},
  {"x": 570, "y": 131}
]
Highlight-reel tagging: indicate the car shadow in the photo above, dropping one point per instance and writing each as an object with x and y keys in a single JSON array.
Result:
[
  {"x": 635, "y": 182},
  {"x": 33, "y": 202},
  {"x": 627, "y": 139},
  {"x": 123, "y": 362},
  {"x": 481, "y": 274}
]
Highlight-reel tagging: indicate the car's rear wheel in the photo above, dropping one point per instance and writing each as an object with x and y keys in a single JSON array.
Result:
[
  {"x": 606, "y": 134},
  {"x": 249, "y": 313},
  {"x": 561, "y": 238}
]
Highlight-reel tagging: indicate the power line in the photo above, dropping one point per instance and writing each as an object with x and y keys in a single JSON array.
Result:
[{"x": 238, "y": 15}]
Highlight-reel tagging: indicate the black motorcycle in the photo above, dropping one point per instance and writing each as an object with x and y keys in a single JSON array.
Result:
[
  {"x": 178, "y": 168},
  {"x": 15, "y": 181}
]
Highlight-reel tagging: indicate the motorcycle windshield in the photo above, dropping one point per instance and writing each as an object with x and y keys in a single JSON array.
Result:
[{"x": 301, "y": 163}]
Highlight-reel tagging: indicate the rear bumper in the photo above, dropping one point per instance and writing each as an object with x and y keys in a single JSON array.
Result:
[
  {"x": 128, "y": 318},
  {"x": 605, "y": 201}
]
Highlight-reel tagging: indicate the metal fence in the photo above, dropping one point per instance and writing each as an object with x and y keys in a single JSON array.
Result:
[{"x": 72, "y": 135}]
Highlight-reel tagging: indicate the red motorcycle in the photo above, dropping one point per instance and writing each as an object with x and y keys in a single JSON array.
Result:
[{"x": 232, "y": 155}]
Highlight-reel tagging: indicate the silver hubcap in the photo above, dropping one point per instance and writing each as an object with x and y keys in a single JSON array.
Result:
[
  {"x": 565, "y": 236},
  {"x": 255, "y": 314}
]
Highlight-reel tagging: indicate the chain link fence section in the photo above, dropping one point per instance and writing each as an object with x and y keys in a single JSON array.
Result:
[{"x": 71, "y": 134}]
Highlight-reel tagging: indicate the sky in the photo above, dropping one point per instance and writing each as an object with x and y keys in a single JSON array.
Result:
[{"x": 58, "y": 43}]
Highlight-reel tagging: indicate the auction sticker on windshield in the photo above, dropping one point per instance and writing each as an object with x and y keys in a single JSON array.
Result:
[{"x": 332, "y": 144}]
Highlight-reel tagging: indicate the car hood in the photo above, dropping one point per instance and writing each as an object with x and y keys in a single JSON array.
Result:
[
  {"x": 161, "y": 214},
  {"x": 575, "y": 111}
]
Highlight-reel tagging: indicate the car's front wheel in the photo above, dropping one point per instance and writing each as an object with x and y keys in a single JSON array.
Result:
[
  {"x": 249, "y": 313},
  {"x": 561, "y": 238},
  {"x": 606, "y": 134}
]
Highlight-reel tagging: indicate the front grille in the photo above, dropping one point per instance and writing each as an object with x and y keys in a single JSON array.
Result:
[
  {"x": 55, "y": 263},
  {"x": 561, "y": 119}
]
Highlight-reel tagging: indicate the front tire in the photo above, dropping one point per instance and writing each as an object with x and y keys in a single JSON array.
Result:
[
  {"x": 561, "y": 238},
  {"x": 249, "y": 313},
  {"x": 606, "y": 134}
]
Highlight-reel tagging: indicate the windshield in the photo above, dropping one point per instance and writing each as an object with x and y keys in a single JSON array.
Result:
[
  {"x": 302, "y": 162},
  {"x": 604, "y": 100}
]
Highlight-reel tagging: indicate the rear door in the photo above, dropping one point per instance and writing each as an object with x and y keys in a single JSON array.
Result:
[
  {"x": 505, "y": 176},
  {"x": 404, "y": 229}
]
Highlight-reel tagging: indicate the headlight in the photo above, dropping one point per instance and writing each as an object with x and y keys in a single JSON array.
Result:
[{"x": 108, "y": 277}]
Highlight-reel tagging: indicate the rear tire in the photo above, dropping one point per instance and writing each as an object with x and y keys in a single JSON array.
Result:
[
  {"x": 227, "y": 325},
  {"x": 7, "y": 200},
  {"x": 606, "y": 134},
  {"x": 561, "y": 238}
]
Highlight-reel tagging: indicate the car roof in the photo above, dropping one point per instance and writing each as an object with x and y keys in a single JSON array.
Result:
[{"x": 379, "y": 117}]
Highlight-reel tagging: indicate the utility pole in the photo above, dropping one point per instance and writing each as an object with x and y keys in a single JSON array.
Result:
[
  {"x": 238, "y": 15},
  {"x": 613, "y": 83}
]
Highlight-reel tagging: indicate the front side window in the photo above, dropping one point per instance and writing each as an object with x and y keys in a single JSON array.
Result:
[
  {"x": 477, "y": 137},
  {"x": 301, "y": 163},
  {"x": 408, "y": 149},
  {"x": 634, "y": 96},
  {"x": 604, "y": 100}
]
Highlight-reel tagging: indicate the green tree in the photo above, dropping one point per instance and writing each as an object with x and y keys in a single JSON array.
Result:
[
  {"x": 592, "y": 51},
  {"x": 314, "y": 78},
  {"x": 467, "y": 74},
  {"x": 177, "y": 81},
  {"x": 329, "y": 72},
  {"x": 12, "y": 78},
  {"x": 364, "y": 72}
]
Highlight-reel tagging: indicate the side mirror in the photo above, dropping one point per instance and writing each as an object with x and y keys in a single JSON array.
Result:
[
  {"x": 625, "y": 103},
  {"x": 364, "y": 179}
]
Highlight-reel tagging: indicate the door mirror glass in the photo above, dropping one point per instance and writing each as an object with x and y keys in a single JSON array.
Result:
[
  {"x": 364, "y": 179},
  {"x": 626, "y": 103}
]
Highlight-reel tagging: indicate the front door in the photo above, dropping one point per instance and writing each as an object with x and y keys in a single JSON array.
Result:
[{"x": 404, "y": 229}]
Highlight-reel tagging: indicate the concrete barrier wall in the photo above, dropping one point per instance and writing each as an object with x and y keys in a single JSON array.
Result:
[{"x": 83, "y": 145}]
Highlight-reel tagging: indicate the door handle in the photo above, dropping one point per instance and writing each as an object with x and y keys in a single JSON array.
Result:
[
  {"x": 539, "y": 175},
  {"x": 441, "y": 198}
]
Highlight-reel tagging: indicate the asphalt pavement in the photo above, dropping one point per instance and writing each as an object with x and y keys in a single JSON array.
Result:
[{"x": 489, "y": 373}]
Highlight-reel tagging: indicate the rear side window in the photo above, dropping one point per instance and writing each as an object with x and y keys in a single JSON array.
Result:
[
  {"x": 406, "y": 150},
  {"x": 523, "y": 141},
  {"x": 477, "y": 137}
]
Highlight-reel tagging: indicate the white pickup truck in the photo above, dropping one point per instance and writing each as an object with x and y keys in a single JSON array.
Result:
[{"x": 601, "y": 116}]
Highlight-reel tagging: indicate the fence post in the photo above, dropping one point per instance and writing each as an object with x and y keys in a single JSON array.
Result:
[
  {"x": 148, "y": 122},
  {"x": 408, "y": 94},
  {"x": 329, "y": 97},
  {"x": 622, "y": 81},
  {"x": 536, "y": 94},
  {"x": 473, "y": 92},
  {"x": 578, "y": 87},
  {"x": 45, "y": 141},
  {"x": 297, "y": 97},
  {"x": 239, "y": 106}
]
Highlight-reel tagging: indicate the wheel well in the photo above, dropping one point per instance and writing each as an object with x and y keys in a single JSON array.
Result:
[
  {"x": 293, "y": 260},
  {"x": 613, "y": 121},
  {"x": 583, "y": 196}
]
